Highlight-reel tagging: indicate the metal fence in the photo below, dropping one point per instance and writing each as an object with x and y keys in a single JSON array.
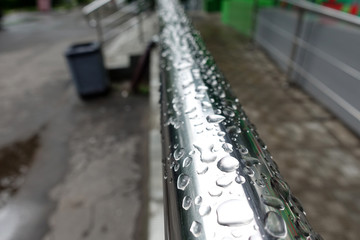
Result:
[
  {"x": 220, "y": 181},
  {"x": 317, "y": 47},
  {"x": 106, "y": 15}
]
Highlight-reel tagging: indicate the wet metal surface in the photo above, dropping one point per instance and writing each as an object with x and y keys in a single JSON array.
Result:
[
  {"x": 318, "y": 156},
  {"x": 220, "y": 181}
]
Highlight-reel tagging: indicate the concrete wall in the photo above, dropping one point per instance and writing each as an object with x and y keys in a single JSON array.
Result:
[{"x": 328, "y": 62}]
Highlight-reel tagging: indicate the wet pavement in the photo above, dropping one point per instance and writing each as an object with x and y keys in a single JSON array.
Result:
[
  {"x": 318, "y": 156},
  {"x": 81, "y": 165}
]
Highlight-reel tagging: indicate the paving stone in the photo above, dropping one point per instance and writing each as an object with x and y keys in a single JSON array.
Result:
[
  {"x": 317, "y": 110},
  {"x": 343, "y": 134}
]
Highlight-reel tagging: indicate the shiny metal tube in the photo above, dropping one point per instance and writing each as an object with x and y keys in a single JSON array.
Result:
[{"x": 220, "y": 181}]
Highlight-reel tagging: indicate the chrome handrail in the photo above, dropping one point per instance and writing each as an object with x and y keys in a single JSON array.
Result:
[{"x": 220, "y": 181}]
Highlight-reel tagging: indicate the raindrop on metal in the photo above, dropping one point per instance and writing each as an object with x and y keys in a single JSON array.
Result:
[
  {"x": 183, "y": 181},
  {"x": 228, "y": 164},
  {"x": 234, "y": 212}
]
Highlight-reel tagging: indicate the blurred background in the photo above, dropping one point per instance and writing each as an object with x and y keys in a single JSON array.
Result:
[{"x": 79, "y": 125}]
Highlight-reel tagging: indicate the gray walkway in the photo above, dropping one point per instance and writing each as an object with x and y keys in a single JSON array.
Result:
[
  {"x": 89, "y": 171},
  {"x": 316, "y": 153}
]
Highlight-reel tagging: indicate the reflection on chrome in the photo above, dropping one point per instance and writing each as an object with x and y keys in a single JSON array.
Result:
[{"x": 220, "y": 181}]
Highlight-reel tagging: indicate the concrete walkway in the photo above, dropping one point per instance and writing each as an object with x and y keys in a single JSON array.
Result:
[
  {"x": 316, "y": 153},
  {"x": 88, "y": 177}
]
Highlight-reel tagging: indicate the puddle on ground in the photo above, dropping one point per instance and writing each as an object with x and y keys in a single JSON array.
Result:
[{"x": 15, "y": 160}]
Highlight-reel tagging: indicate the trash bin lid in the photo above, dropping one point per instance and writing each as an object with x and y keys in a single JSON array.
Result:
[{"x": 82, "y": 48}]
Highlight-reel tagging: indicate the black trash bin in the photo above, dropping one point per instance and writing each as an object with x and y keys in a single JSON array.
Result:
[{"x": 87, "y": 68}]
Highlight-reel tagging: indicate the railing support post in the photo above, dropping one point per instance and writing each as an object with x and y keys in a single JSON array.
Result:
[
  {"x": 99, "y": 27},
  {"x": 295, "y": 45}
]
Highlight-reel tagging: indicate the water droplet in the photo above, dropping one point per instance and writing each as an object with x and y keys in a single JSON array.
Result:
[
  {"x": 178, "y": 153},
  {"x": 297, "y": 203},
  {"x": 280, "y": 187},
  {"x": 248, "y": 171},
  {"x": 224, "y": 181},
  {"x": 204, "y": 210},
  {"x": 206, "y": 104},
  {"x": 243, "y": 150},
  {"x": 206, "y": 154},
  {"x": 217, "y": 111},
  {"x": 172, "y": 165},
  {"x": 176, "y": 166},
  {"x": 187, "y": 161},
  {"x": 199, "y": 96},
  {"x": 190, "y": 110},
  {"x": 233, "y": 130},
  {"x": 240, "y": 179},
  {"x": 303, "y": 227},
  {"x": 193, "y": 116},
  {"x": 273, "y": 202},
  {"x": 296, "y": 211},
  {"x": 182, "y": 181},
  {"x": 198, "y": 200},
  {"x": 260, "y": 182},
  {"x": 227, "y": 147},
  {"x": 229, "y": 113},
  {"x": 199, "y": 131},
  {"x": 228, "y": 164},
  {"x": 250, "y": 161},
  {"x": 239, "y": 232},
  {"x": 201, "y": 88},
  {"x": 234, "y": 212},
  {"x": 215, "y": 192},
  {"x": 261, "y": 143},
  {"x": 186, "y": 203},
  {"x": 198, "y": 123},
  {"x": 196, "y": 228},
  {"x": 221, "y": 134},
  {"x": 202, "y": 169},
  {"x": 275, "y": 225},
  {"x": 215, "y": 118},
  {"x": 215, "y": 148},
  {"x": 263, "y": 176}
]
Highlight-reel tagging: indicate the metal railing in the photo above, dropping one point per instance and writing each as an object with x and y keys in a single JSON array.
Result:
[
  {"x": 220, "y": 181},
  {"x": 106, "y": 15},
  {"x": 336, "y": 90},
  {"x": 303, "y": 7}
]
